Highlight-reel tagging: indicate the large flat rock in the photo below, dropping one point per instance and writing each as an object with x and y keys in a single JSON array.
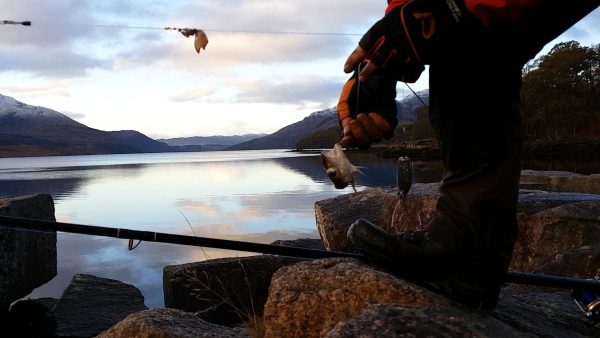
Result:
[
  {"x": 309, "y": 298},
  {"x": 555, "y": 228},
  {"x": 27, "y": 258},
  {"x": 335, "y": 215},
  {"x": 561, "y": 181}
]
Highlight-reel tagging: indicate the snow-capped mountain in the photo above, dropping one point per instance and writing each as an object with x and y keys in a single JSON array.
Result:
[
  {"x": 27, "y": 130},
  {"x": 14, "y": 113}
]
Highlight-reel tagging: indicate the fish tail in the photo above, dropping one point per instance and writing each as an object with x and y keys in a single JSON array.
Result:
[{"x": 358, "y": 170}]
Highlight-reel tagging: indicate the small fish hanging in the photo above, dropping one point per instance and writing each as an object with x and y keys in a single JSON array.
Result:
[
  {"x": 200, "y": 38},
  {"x": 339, "y": 169}
]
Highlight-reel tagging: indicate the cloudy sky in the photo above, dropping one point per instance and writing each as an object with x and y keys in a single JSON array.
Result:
[{"x": 153, "y": 81}]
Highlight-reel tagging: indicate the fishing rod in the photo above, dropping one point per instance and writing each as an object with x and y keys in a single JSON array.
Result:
[
  {"x": 585, "y": 292},
  {"x": 160, "y": 237},
  {"x": 9, "y": 22}
]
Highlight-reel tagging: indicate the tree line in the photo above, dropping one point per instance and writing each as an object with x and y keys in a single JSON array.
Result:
[{"x": 561, "y": 95}]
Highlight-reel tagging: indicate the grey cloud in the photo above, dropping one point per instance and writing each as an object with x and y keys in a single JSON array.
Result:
[
  {"x": 286, "y": 48},
  {"x": 54, "y": 23},
  {"x": 307, "y": 16},
  {"x": 154, "y": 50},
  {"x": 56, "y": 42},
  {"x": 303, "y": 90},
  {"x": 61, "y": 28},
  {"x": 231, "y": 49},
  {"x": 202, "y": 92},
  {"x": 50, "y": 62},
  {"x": 129, "y": 8}
]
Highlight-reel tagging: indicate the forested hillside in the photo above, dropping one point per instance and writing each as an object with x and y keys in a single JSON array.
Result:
[{"x": 561, "y": 95}]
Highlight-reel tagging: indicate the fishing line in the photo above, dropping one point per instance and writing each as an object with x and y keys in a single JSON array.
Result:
[
  {"x": 394, "y": 212},
  {"x": 357, "y": 85},
  {"x": 218, "y": 30},
  {"x": 418, "y": 97}
]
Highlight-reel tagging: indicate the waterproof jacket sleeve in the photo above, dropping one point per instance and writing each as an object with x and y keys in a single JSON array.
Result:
[{"x": 489, "y": 11}]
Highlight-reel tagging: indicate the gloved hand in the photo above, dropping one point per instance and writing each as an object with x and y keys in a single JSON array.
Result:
[
  {"x": 411, "y": 35},
  {"x": 367, "y": 112}
]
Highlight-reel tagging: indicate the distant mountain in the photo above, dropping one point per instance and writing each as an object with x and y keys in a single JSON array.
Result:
[
  {"x": 27, "y": 130},
  {"x": 218, "y": 142},
  {"x": 408, "y": 106},
  {"x": 287, "y": 137},
  {"x": 140, "y": 141}
]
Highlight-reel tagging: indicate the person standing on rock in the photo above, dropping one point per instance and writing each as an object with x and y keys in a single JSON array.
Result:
[{"x": 475, "y": 50}]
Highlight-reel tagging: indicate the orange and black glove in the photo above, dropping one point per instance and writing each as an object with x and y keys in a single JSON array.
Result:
[
  {"x": 411, "y": 35},
  {"x": 367, "y": 111}
]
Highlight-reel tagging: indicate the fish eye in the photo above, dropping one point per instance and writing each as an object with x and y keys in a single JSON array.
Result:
[{"x": 332, "y": 172}]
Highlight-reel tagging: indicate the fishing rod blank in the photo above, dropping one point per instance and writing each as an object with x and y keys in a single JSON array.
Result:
[{"x": 148, "y": 236}]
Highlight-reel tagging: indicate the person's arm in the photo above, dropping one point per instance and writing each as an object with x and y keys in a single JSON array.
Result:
[{"x": 419, "y": 30}]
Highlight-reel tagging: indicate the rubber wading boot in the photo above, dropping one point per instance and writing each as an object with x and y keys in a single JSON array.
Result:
[{"x": 417, "y": 257}]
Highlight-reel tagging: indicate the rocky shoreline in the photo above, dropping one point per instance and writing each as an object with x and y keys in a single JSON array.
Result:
[{"x": 274, "y": 296}]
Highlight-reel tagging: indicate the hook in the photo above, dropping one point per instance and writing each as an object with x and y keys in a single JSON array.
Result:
[{"x": 130, "y": 246}]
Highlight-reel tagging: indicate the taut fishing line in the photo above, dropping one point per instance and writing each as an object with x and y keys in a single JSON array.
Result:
[{"x": 218, "y": 30}]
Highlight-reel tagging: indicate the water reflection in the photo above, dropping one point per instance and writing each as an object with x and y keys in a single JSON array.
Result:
[
  {"x": 242, "y": 196},
  {"x": 250, "y": 196},
  {"x": 142, "y": 267},
  {"x": 258, "y": 196},
  {"x": 378, "y": 172}
]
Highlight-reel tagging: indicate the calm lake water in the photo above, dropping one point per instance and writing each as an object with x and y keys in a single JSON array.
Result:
[{"x": 258, "y": 196}]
